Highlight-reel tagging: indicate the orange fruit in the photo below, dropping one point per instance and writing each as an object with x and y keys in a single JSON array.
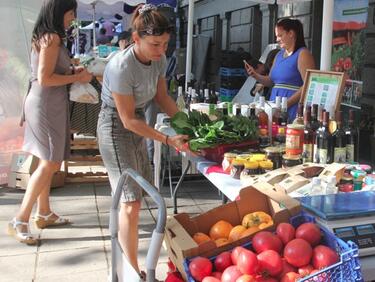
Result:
[
  {"x": 200, "y": 238},
  {"x": 249, "y": 231},
  {"x": 236, "y": 232},
  {"x": 220, "y": 229},
  {"x": 221, "y": 242}
]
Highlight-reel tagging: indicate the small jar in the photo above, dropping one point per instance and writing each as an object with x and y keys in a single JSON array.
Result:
[
  {"x": 236, "y": 168},
  {"x": 243, "y": 157},
  {"x": 291, "y": 160},
  {"x": 346, "y": 179},
  {"x": 345, "y": 188},
  {"x": 265, "y": 166},
  {"x": 294, "y": 139},
  {"x": 274, "y": 154},
  {"x": 227, "y": 161},
  {"x": 251, "y": 168},
  {"x": 358, "y": 176}
]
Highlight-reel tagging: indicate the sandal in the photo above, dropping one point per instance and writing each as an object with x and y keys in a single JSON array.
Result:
[
  {"x": 43, "y": 221},
  {"x": 23, "y": 237}
]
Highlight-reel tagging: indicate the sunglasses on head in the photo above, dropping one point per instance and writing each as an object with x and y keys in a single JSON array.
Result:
[{"x": 156, "y": 31}]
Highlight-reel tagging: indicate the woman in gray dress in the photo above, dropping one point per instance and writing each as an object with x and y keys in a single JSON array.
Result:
[
  {"x": 132, "y": 78},
  {"x": 47, "y": 114}
]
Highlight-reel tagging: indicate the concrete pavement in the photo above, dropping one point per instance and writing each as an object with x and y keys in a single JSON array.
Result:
[{"x": 82, "y": 251}]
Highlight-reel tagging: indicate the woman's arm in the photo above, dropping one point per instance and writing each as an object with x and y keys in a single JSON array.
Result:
[
  {"x": 305, "y": 61},
  {"x": 49, "y": 52},
  {"x": 125, "y": 105},
  {"x": 165, "y": 102}
]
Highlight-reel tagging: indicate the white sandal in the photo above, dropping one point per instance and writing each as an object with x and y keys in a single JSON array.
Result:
[
  {"x": 43, "y": 221},
  {"x": 23, "y": 237}
]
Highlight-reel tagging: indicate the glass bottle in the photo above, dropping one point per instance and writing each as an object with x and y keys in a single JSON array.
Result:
[
  {"x": 207, "y": 96},
  {"x": 276, "y": 116},
  {"x": 264, "y": 140},
  {"x": 308, "y": 143},
  {"x": 339, "y": 141},
  {"x": 253, "y": 115},
  {"x": 180, "y": 100},
  {"x": 331, "y": 187},
  {"x": 314, "y": 118},
  {"x": 351, "y": 140},
  {"x": 283, "y": 120},
  {"x": 324, "y": 142},
  {"x": 299, "y": 118},
  {"x": 316, "y": 187}
]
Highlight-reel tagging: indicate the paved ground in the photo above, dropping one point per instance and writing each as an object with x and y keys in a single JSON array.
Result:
[{"x": 82, "y": 251}]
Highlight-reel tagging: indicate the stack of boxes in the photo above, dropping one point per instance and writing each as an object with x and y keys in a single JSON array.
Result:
[{"x": 232, "y": 74}]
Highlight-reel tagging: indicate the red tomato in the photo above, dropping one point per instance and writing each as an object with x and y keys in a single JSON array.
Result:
[
  {"x": 217, "y": 274},
  {"x": 323, "y": 257},
  {"x": 247, "y": 262},
  {"x": 231, "y": 274},
  {"x": 174, "y": 277},
  {"x": 270, "y": 262},
  {"x": 210, "y": 279},
  {"x": 234, "y": 255},
  {"x": 298, "y": 252},
  {"x": 246, "y": 278},
  {"x": 265, "y": 240},
  {"x": 286, "y": 268},
  {"x": 200, "y": 267},
  {"x": 286, "y": 232},
  {"x": 305, "y": 270},
  {"x": 290, "y": 277},
  {"x": 222, "y": 261},
  {"x": 260, "y": 278},
  {"x": 309, "y": 232}
]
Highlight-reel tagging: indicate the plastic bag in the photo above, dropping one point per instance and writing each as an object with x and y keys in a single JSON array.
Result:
[{"x": 85, "y": 92}]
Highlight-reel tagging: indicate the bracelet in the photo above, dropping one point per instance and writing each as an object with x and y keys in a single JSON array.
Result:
[{"x": 166, "y": 140}]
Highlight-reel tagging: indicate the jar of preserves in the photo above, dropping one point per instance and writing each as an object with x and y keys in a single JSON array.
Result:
[
  {"x": 250, "y": 168},
  {"x": 291, "y": 160},
  {"x": 294, "y": 139},
  {"x": 243, "y": 157},
  {"x": 227, "y": 161},
  {"x": 275, "y": 155},
  {"x": 265, "y": 166},
  {"x": 258, "y": 157},
  {"x": 236, "y": 168}
]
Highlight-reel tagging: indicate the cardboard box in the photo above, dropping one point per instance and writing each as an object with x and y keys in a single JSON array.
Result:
[
  {"x": 260, "y": 197},
  {"x": 24, "y": 163},
  {"x": 20, "y": 180},
  {"x": 334, "y": 169},
  {"x": 293, "y": 183}
]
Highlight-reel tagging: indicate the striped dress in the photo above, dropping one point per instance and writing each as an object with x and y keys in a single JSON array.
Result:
[{"x": 286, "y": 78}]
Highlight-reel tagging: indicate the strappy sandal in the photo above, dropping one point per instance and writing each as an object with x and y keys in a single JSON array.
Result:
[
  {"x": 43, "y": 221},
  {"x": 23, "y": 237}
]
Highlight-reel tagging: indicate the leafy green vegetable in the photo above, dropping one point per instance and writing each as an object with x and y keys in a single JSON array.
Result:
[{"x": 205, "y": 133}]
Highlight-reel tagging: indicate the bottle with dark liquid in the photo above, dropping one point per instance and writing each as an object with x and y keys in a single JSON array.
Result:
[
  {"x": 351, "y": 140},
  {"x": 299, "y": 118},
  {"x": 308, "y": 143},
  {"x": 314, "y": 118},
  {"x": 324, "y": 142},
  {"x": 339, "y": 141}
]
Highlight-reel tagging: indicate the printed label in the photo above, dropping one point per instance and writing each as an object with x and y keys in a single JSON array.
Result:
[
  {"x": 339, "y": 155},
  {"x": 292, "y": 142},
  {"x": 350, "y": 153},
  {"x": 316, "y": 154},
  {"x": 323, "y": 156},
  {"x": 307, "y": 155}
]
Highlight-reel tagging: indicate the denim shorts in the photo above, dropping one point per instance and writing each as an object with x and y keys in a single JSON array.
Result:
[{"x": 120, "y": 149}]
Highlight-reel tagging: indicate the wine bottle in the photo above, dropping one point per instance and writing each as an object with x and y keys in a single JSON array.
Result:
[
  {"x": 308, "y": 141},
  {"x": 339, "y": 141},
  {"x": 351, "y": 140},
  {"x": 314, "y": 118},
  {"x": 324, "y": 142},
  {"x": 299, "y": 118},
  {"x": 264, "y": 140}
]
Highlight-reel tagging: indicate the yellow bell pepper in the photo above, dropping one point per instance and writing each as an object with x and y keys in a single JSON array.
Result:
[{"x": 259, "y": 218}]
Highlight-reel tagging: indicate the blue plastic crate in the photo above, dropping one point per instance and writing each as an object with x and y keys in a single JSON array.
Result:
[
  {"x": 347, "y": 269},
  {"x": 232, "y": 72}
]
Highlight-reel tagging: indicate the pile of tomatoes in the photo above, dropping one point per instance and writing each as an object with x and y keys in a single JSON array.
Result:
[{"x": 287, "y": 256}]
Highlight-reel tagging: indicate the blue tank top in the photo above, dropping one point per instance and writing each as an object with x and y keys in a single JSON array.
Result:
[{"x": 286, "y": 78}]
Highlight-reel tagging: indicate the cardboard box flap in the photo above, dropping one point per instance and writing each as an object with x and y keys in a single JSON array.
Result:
[{"x": 292, "y": 205}]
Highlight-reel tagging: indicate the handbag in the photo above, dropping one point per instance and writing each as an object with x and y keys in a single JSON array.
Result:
[{"x": 85, "y": 92}]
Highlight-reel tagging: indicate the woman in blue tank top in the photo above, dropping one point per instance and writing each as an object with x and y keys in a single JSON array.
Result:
[{"x": 290, "y": 64}]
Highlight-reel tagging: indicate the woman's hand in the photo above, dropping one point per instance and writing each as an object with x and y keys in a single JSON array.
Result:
[
  {"x": 84, "y": 76},
  {"x": 78, "y": 69},
  {"x": 250, "y": 70},
  {"x": 179, "y": 142}
]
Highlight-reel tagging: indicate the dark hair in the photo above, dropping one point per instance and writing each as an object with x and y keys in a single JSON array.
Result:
[
  {"x": 150, "y": 22},
  {"x": 125, "y": 35},
  {"x": 296, "y": 26},
  {"x": 51, "y": 20}
]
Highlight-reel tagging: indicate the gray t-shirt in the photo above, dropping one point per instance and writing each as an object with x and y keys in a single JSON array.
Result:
[{"x": 125, "y": 75}]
